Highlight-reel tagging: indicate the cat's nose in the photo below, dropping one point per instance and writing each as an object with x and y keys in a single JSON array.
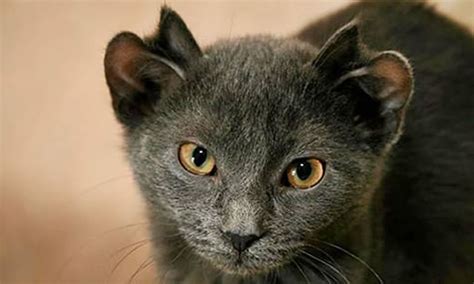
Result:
[{"x": 241, "y": 242}]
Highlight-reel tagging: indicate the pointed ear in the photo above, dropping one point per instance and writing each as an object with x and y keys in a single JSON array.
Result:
[
  {"x": 340, "y": 52},
  {"x": 174, "y": 38},
  {"x": 379, "y": 84},
  {"x": 138, "y": 72}
]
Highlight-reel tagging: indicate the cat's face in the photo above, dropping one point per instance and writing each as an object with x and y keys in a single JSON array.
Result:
[{"x": 256, "y": 137}]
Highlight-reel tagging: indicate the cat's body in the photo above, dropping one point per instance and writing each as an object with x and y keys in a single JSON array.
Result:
[{"x": 399, "y": 212}]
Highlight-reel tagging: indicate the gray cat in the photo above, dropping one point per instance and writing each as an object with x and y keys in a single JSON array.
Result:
[{"x": 310, "y": 159}]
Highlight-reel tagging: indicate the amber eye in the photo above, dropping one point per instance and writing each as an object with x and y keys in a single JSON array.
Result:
[
  {"x": 196, "y": 159},
  {"x": 304, "y": 173}
]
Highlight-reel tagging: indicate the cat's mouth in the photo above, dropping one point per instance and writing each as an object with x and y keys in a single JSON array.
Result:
[
  {"x": 251, "y": 262},
  {"x": 243, "y": 265},
  {"x": 263, "y": 255}
]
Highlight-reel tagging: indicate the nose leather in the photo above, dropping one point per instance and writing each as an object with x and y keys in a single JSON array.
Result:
[{"x": 241, "y": 242}]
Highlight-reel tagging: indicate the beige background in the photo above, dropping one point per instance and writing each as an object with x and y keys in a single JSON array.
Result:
[{"x": 68, "y": 203}]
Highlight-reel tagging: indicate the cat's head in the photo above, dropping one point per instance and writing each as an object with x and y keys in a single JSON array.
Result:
[{"x": 255, "y": 147}]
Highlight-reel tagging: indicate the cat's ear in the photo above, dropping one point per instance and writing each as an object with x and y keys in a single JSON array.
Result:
[
  {"x": 340, "y": 52},
  {"x": 174, "y": 38},
  {"x": 380, "y": 83},
  {"x": 138, "y": 72},
  {"x": 386, "y": 78}
]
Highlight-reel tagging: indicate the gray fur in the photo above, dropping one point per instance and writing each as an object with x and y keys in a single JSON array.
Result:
[
  {"x": 254, "y": 127},
  {"x": 258, "y": 103}
]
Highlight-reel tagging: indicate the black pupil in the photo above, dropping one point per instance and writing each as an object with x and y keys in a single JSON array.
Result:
[
  {"x": 303, "y": 170},
  {"x": 199, "y": 156}
]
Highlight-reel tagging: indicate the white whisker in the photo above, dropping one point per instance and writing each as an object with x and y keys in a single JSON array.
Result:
[{"x": 356, "y": 258}]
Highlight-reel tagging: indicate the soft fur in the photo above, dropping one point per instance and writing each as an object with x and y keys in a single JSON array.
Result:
[{"x": 384, "y": 211}]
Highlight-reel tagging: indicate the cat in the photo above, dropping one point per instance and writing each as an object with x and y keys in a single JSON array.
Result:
[{"x": 341, "y": 154}]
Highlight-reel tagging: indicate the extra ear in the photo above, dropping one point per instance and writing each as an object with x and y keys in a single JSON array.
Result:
[
  {"x": 138, "y": 72},
  {"x": 387, "y": 78},
  {"x": 381, "y": 83},
  {"x": 340, "y": 53},
  {"x": 174, "y": 38}
]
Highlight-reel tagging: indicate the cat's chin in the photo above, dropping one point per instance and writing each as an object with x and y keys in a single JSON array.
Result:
[
  {"x": 247, "y": 264},
  {"x": 243, "y": 268}
]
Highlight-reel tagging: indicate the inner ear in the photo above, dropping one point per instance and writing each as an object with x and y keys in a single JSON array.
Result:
[
  {"x": 125, "y": 54},
  {"x": 139, "y": 72},
  {"x": 136, "y": 77},
  {"x": 387, "y": 78},
  {"x": 380, "y": 92}
]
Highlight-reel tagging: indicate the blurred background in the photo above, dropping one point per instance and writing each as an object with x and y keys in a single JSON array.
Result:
[{"x": 69, "y": 210}]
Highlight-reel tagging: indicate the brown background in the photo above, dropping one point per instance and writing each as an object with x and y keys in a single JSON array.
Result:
[{"x": 68, "y": 203}]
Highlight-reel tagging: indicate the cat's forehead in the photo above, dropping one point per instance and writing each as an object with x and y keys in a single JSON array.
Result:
[
  {"x": 257, "y": 57},
  {"x": 253, "y": 95},
  {"x": 253, "y": 72}
]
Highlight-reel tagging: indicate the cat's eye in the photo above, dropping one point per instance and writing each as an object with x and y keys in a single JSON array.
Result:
[
  {"x": 196, "y": 159},
  {"x": 304, "y": 173}
]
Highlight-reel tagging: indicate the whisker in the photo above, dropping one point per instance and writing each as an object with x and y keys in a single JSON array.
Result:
[
  {"x": 142, "y": 267},
  {"x": 204, "y": 275},
  {"x": 124, "y": 227},
  {"x": 338, "y": 272},
  {"x": 301, "y": 270},
  {"x": 126, "y": 255},
  {"x": 327, "y": 255},
  {"x": 163, "y": 275},
  {"x": 76, "y": 251},
  {"x": 278, "y": 274},
  {"x": 356, "y": 258},
  {"x": 89, "y": 189},
  {"x": 317, "y": 268},
  {"x": 178, "y": 255},
  {"x": 127, "y": 246}
]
